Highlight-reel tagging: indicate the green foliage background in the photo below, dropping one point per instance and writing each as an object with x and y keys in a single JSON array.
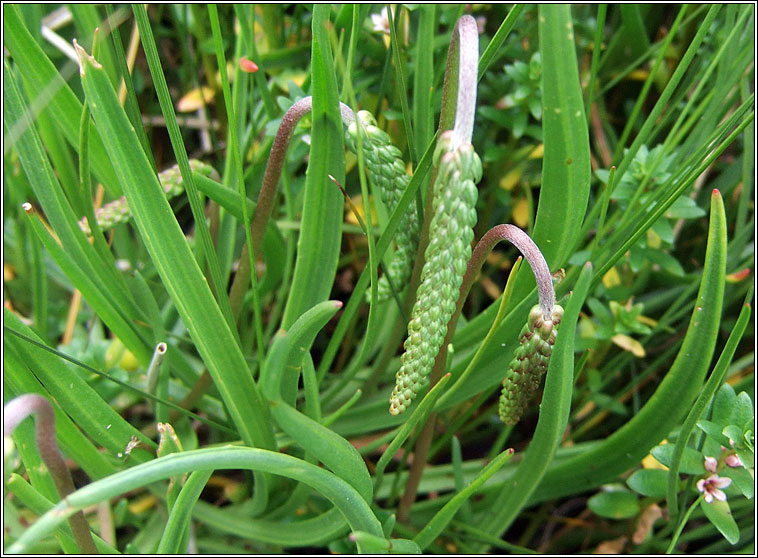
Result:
[{"x": 609, "y": 159}]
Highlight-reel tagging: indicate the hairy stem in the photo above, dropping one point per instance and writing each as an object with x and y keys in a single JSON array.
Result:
[{"x": 32, "y": 404}]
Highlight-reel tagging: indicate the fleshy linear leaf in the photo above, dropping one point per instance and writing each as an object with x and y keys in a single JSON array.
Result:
[
  {"x": 319, "y": 242},
  {"x": 629, "y": 444},
  {"x": 281, "y": 375},
  {"x": 355, "y": 510}
]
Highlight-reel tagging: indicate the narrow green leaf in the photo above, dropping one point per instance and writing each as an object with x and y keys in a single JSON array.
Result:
[
  {"x": 314, "y": 531},
  {"x": 18, "y": 379},
  {"x": 40, "y": 75},
  {"x": 400, "y": 74},
  {"x": 82, "y": 403},
  {"x": 87, "y": 20},
  {"x": 499, "y": 38},
  {"x": 566, "y": 168},
  {"x": 443, "y": 517},
  {"x": 319, "y": 243},
  {"x": 278, "y": 379},
  {"x": 84, "y": 261},
  {"x": 675, "y": 393},
  {"x": 177, "y": 143},
  {"x": 92, "y": 291},
  {"x": 423, "y": 77},
  {"x": 181, "y": 513}
]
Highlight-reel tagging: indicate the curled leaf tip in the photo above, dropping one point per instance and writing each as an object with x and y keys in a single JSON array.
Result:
[
  {"x": 716, "y": 192},
  {"x": 83, "y": 57},
  {"x": 27, "y": 207}
]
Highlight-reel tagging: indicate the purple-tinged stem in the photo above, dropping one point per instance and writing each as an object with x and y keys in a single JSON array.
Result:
[
  {"x": 264, "y": 207},
  {"x": 533, "y": 256},
  {"x": 32, "y": 404}
]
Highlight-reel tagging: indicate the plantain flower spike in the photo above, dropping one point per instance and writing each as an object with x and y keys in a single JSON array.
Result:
[
  {"x": 529, "y": 363},
  {"x": 117, "y": 211},
  {"x": 446, "y": 257},
  {"x": 387, "y": 170}
]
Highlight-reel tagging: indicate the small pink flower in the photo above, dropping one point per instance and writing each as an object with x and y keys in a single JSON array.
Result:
[
  {"x": 733, "y": 460},
  {"x": 711, "y": 487},
  {"x": 710, "y": 464}
]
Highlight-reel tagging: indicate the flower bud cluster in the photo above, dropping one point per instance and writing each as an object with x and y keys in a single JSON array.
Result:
[
  {"x": 529, "y": 363},
  {"x": 446, "y": 257},
  {"x": 117, "y": 211},
  {"x": 387, "y": 170}
]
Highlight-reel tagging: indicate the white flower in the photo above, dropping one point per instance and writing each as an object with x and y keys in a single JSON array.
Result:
[
  {"x": 733, "y": 460},
  {"x": 381, "y": 22},
  {"x": 711, "y": 487},
  {"x": 710, "y": 464}
]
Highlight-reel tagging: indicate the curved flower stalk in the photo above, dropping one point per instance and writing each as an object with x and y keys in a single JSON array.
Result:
[
  {"x": 537, "y": 336},
  {"x": 32, "y": 404},
  {"x": 387, "y": 169},
  {"x": 117, "y": 211}
]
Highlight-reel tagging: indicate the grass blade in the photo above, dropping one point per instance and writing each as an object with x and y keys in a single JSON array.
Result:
[{"x": 174, "y": 262}]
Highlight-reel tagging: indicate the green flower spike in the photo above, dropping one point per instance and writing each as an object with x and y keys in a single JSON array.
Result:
[
  {"x": 117, "y": 211},
  {"x": 538, "y": 335},
  {"x": 529, "y": 364},
  {"x": 387, "y": 170},
  {"x": 446, "y": 257}
]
